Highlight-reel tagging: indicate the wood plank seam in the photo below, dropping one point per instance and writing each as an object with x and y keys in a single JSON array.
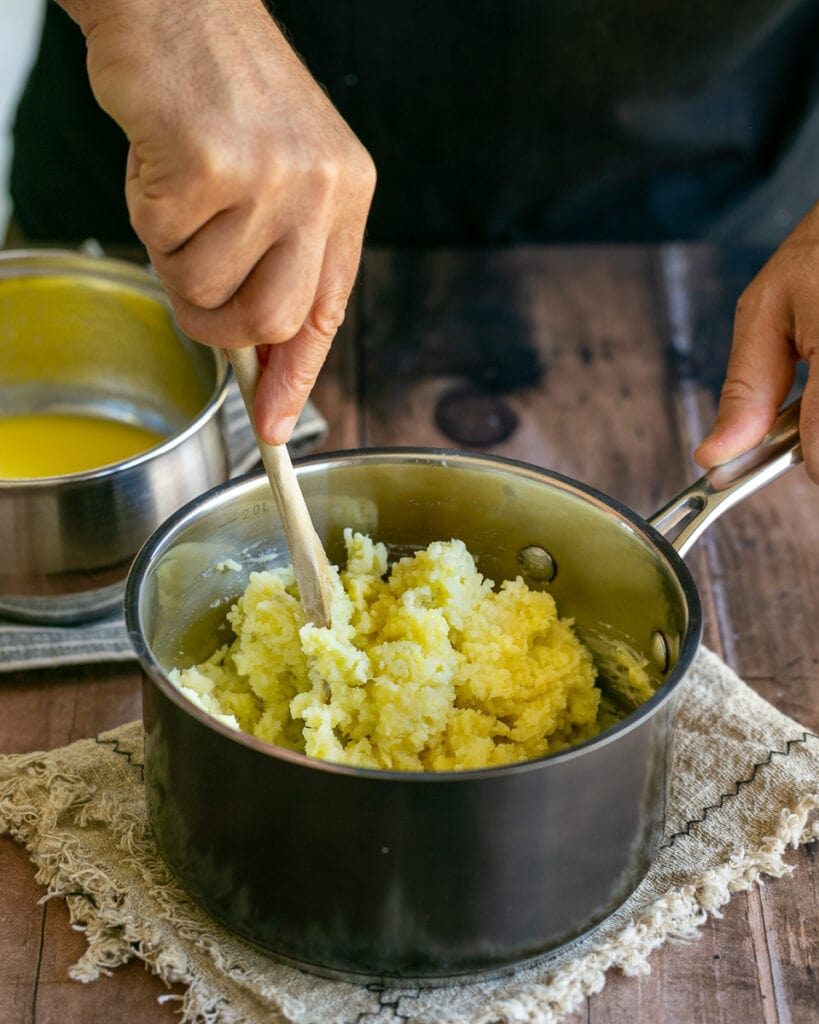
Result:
[
  {"x": 39, "y": 964},
  {"x": 771, "y": 937},
  {"x": 774, "y": 999}
]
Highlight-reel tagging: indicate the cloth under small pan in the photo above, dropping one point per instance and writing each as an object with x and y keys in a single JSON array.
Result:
[
  {"x": 744, "y": 789},
  {"x": 24, "y": 647}
]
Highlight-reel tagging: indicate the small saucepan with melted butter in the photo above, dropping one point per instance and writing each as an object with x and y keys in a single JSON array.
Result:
[
  {"x": 428, "y": 790},
  {"x": 108, "y": 423}
]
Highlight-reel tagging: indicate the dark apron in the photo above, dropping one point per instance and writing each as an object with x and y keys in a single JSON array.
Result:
[{"x": 532, "y": 120}]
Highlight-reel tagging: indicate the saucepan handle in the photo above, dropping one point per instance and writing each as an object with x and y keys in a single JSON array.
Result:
[{"x": 685, "y": 517}]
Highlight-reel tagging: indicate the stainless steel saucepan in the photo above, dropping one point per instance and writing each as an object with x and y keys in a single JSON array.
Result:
[{"x": 394, "y": 875}]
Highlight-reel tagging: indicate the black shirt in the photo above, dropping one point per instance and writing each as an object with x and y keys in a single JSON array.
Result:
[{"x": 490, "y": 122}]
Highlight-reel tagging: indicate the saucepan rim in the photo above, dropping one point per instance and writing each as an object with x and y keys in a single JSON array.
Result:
[{"x": 163, "y": 537}]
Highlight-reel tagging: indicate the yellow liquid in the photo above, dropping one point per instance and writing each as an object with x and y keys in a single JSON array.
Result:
[{"x": 52, "y": 444}]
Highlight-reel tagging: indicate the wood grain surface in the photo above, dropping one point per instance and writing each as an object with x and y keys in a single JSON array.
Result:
[{"x": 602, "y": 363}]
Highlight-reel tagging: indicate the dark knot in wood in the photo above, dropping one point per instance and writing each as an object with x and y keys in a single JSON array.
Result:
[{"x": 473, "y": 417}]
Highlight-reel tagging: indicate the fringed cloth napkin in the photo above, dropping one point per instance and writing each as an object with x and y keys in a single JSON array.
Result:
[{"x": 745, "y": 788}]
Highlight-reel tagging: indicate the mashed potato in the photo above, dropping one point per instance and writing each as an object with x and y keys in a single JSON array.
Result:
[{"x": 427, "y": 668}]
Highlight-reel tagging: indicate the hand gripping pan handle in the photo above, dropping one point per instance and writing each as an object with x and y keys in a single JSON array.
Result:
[{"x": 685, "y": 517}]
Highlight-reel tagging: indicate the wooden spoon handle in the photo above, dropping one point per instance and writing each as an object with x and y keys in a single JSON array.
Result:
[{"x": 309, "y": 559}]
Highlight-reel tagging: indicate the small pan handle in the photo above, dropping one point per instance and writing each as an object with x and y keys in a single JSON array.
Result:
[{"x": 685, "y": 517}]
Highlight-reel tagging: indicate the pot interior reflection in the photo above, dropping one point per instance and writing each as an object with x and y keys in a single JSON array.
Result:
[{"x": 598, "y": 565}]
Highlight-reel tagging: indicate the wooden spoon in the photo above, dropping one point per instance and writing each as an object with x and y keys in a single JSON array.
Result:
[{"x": 309, "y": 558}]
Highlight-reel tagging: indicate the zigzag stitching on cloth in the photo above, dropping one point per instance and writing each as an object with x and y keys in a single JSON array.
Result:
[
  {"x": 388, "y": 999},
  {"x": 127, "y": 754},
  {"x": 806, "y": 735}
]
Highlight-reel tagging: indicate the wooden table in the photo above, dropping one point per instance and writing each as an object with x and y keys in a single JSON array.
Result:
[{"x": 602, "y": 363}]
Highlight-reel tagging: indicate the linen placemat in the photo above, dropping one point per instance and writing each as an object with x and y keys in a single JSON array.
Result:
[
  {"x": 744, "y": 788},
  {"x": 106, "y": 639}
]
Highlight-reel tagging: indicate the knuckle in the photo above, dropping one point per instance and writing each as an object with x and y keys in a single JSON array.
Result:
[
  {"x": 366, "y": 169},
  {"x": 322, "y": 180},
  {"x": 184, "y": 275},
  {"x": 360, "y": 177},
  {"x": 271, "y": 173},
  {"x": 297, "y": 379},
  {"x": 737, "y": 388},
  {"x": 191, "y": 324},
  {"x": 211, "y": 162},
  {"x": 153, "y": 228},
  {"x": 328, "y": 315},
  {"x": 350, "y": 170},
  {"x": 203, "y": 293},
  {"x": 272, "y": 328},
  {"x": 764, "y": 296},
  {"x": 807, "y": 345},
  {"x": 327, "y": 172}
]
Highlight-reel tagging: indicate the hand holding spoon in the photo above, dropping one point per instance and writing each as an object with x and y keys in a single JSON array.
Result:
[{"x": 309, "y": 559}]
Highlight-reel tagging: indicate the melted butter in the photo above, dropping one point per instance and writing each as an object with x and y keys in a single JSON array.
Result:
[{"x": 53, "y": 444}]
